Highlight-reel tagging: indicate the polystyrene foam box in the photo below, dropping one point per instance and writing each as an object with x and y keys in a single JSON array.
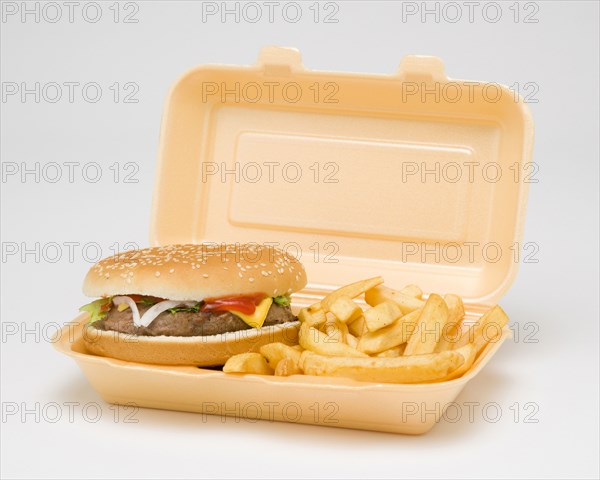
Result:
[{"x": 411, "y": 176}]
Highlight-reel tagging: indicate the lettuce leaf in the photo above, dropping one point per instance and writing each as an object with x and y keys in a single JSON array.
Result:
[
  {"x": 192, "y": 309},
  {"x": 282, "y": 300},
  {"x": 148, "y": 301},
  {"x": 98, "y": 309}
]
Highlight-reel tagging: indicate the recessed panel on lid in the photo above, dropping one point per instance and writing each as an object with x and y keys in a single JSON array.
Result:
[
  {"x": 419, "y": 191},
  {"x": 349, "y": 186}
]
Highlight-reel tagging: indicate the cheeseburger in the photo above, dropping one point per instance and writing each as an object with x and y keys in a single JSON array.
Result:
[{"x": 191, "y": 304}]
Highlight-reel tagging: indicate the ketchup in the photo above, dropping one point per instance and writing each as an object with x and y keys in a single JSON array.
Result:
[{"x": 240, "y": 303}]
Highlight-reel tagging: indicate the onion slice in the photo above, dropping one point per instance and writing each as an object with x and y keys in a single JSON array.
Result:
[
  {"x": 129, "y": 301},
  {"x": 155, "y": 310}
]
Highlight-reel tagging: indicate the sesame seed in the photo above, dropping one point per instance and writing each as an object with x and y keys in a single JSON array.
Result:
[
  {"x": 157, "y": 274},
  {"x": 251, "y": 279},
  {"x": 205, "y": 275},
  {"x": 172, "y": 270}
]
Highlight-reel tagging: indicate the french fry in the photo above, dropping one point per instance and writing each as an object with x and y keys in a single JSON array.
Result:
[
  {"x": 413, "y": 369},
  {"x": 412, "y": 291},
  {"x": 469, "y": 353},
  {"x": 391, "y": 336},
  {"x": 345, "y": 309},
  {"x": 451, "y": 331},
  {"x": 351, "y": 340},
  {"x": 248, "y": 363},
  {"x": 391, "y": 352},
  {"x": 276, "y": 351},
  {"x": 400, "y": 339},
  {"x": 286, "y": 367},
  {"x": 352, "y": 291},
  {"x": 486, "y": 329},
  {"x": 312, "y": 316},
  {"x": 335, "y": 330},
  {"x": 314, "y": 307},
  {"x": 429, "y": 327},
  {"x": 316, "y": 341},
  {"x": 380, "y": 294},
  {"x": 358, "y": 327},
  {"x": 382, "y": 315},
  {"x": 481, "y": 345}
]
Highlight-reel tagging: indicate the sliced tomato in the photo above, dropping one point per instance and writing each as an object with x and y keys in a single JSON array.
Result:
[
  {"x": 240, "y": 303},
  {"x": 106, "y": 306}
]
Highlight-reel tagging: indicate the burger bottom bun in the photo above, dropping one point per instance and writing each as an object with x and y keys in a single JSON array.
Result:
[{"x": 205, "y": 351}]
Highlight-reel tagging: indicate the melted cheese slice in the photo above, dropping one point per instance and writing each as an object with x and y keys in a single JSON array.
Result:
[{"x": 257, "y": 319}]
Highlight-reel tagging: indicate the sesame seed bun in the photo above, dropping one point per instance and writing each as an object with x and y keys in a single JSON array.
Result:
[{"x": 195, "y": 272}]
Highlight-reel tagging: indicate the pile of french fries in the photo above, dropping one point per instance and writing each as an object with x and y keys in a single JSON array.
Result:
[{"x": 402, "y": 338}]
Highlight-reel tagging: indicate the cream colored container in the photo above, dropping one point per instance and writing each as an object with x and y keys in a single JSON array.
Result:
[{"x": 411, "y": 176}]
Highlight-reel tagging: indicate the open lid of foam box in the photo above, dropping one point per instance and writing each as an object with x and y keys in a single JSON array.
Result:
[{"x": 412, "y": 176}]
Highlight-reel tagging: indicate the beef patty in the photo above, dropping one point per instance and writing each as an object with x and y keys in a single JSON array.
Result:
[{"x": 187, "y": 324}]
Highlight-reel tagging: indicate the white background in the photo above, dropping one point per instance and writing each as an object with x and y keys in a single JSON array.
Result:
[{"x": 557, "y": 376}]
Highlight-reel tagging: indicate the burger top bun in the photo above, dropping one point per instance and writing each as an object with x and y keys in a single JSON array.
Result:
[{"x": 195, "y": 272}]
